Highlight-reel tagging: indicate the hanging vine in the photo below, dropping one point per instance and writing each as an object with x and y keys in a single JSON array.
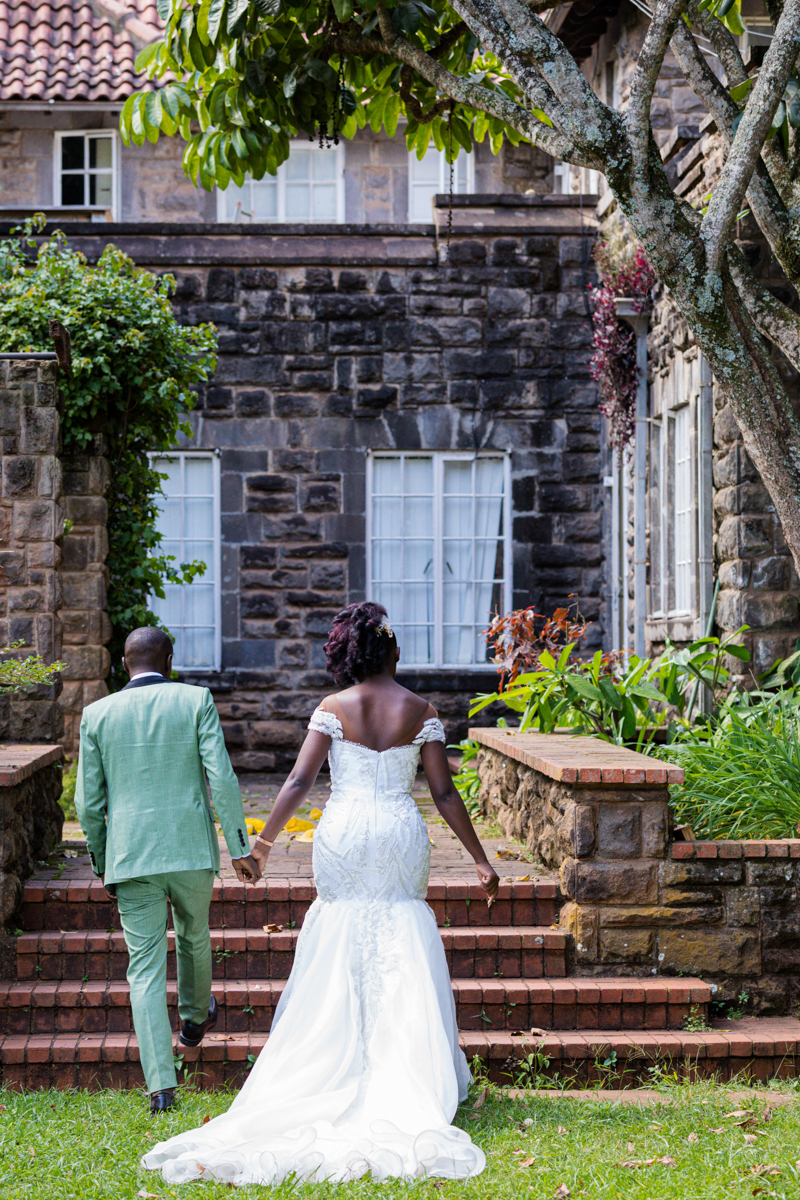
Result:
[
  {"x": 624, "y": 271},
  {"x": 134, "y": 371}
]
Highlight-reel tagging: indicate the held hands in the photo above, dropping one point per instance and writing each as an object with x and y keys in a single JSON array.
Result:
[
  {"x": 247, "y": 869},
  {"x": 489, "y": 880}
]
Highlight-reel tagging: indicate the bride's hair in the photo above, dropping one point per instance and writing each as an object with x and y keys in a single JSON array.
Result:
[{"x": 354, "y": 646}]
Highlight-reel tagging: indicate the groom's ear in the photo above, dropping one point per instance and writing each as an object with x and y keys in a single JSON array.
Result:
[{"x": 168, "y": 669}]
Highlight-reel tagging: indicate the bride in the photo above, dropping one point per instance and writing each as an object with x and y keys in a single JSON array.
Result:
[{"x": 362, "y": 1072}]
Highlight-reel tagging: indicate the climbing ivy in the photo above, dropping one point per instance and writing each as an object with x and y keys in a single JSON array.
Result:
[{"x": 133, "y": 378}]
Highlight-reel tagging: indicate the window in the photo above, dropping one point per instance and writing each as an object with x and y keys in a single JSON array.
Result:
[
  {"x": 438, "y": 545},
  {"x": 562, "y": 178},
  {"x": 189, "y": 525},
  {"x": 309, "y": 186},
  {"x": 683, "y": 509},
  {"x": 430, "y": 176},
  {"x": 85, "y": 170}
]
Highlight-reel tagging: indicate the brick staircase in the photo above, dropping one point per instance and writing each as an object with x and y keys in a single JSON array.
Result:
[{"x": 65, "y": 1020}]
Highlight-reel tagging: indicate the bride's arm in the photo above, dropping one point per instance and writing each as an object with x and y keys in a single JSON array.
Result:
[
  {"x": 449, "y": 803},
  {"x": 294, "y": 792}
]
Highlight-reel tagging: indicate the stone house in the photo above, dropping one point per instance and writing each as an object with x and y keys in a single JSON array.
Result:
[{"x": 394, "y": 414}]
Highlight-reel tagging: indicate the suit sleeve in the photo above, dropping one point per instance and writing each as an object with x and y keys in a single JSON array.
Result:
[
  {"x": 224, "y": 785},
  {"x": 90, "y": 798}
]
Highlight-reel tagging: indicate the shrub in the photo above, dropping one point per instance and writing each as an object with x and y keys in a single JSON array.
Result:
[{"x": 16, "y": 673}]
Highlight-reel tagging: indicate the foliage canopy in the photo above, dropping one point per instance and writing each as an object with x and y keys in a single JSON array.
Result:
[{"x": 134, "y": 371}]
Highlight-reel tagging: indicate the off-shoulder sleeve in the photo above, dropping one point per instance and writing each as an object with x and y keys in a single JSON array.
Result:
[
  {"x": 432, "y": 731},
  {"x": 327, "y": 723}
]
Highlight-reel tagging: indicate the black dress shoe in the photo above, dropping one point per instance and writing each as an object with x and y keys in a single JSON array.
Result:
[
  {"x": 191, "y": 1034},
  {"x": 161, "y": 1101}
]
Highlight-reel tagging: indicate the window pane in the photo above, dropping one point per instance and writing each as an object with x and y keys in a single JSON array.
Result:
[
  {"x": 457, "y": 516},
  {"x": 417, "y": 514},
  {"x": 100, "y": 151},
  {"x": 170, "y": 521},
  {"x": 324, "y": 197},
  {"x": 72, "y": 153},
  {"x": 201, "y": 552},
  {"x": 683, "y": 511},
  {"x": 386, "y": 479},
  {"x": 298, "y": 202},
  {"x": 198, "y": 517},
  {"x": 72, "y": 189},
  {"x": 199, "y": 477},
  {"x": 198, "y": 604},
  {"x": 298, "y": 164},
  {"x": 419, "y": 476},
  {"x": 458, "y": 602},
  {"x": 458, "y": 478},
  {"x": 418, "y": 560},
  {"x": 390, "y": 595},
  {"x": 323, "y": 164},
  {"x": 100, "y": 189},
  {"x": 418, "y": 604},
  {"x": 457, "y": 560},
  {"x": 237, "y": 199},
  {"x": 197, "y": 648},
  {"x": 170, "y": 467},
  {"x": 265, "y": 200},
  {"x": 387, "y": 562},
  {"x": 417, "y": 644},
  {"x": 427, "y": 169},
  {"x": 386, "y": 517}
]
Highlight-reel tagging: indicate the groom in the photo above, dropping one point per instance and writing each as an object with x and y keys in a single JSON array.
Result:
[{"x": 142, "y": 803}]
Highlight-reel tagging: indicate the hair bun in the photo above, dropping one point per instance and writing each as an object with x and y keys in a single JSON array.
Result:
[{"x": 359, "y": 642}]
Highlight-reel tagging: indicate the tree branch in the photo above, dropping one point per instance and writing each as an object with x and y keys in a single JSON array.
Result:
[
  {"x": 745, "y": 152},
  {"x": 645, "y": 77},
  {"x": 723, "y": 41},
  {"x": 774, "y": 320}
]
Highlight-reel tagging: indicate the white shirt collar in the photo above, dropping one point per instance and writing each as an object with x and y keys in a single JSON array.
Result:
[{"x": 141, "y": 675}]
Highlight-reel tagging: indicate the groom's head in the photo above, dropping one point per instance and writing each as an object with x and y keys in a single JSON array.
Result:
[{"x": 148, "y": 649}]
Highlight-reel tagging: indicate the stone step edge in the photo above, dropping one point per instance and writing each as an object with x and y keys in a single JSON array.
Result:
[
  {"x": 81, "y": 891},
  {"x": 96, "y": 941},
  {"x": 606, "y": 990},
  {"x": 772, "y": 1041}
]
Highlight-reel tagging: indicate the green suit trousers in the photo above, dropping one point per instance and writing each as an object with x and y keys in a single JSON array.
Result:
[{"x": 143, "y": 912}]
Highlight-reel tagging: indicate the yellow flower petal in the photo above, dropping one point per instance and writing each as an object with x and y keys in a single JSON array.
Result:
[
  {"x": 308, "y": 836},
  {"x": 254, "y": 825},
  {"x": 297, "y": 825},
  {"x": 315, "y": 814}
]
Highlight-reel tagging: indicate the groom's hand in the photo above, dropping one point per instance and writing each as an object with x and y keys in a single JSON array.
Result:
[{"x": 246, "y": 869}]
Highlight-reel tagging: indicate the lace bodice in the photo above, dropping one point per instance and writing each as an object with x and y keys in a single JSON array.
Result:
[{"x": 371, "y": 840}]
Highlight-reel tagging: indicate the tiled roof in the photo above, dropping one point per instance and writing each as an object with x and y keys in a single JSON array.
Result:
[{"x": 73, "y": 50}]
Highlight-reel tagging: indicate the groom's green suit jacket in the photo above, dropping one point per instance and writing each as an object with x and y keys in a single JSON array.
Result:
[{"x": 141, "y": 794}]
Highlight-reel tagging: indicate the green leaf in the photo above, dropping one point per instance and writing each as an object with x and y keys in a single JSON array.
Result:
[
  {"x": 146, "y": 56},
  {"x": 582, "y": 687},
  {"x": 740, "y": 652},
  {"x": 610, "y": 694},
  {"x": 269, "y": 8},
  {"x": 740, "y": 90},
  {"x": 343, "y": 10},
  {"x": 391, "y": 114},
  {"x": 322, "y": 72},
  {"x": 216, "y": 14},
  {"x": 290, "y": 83},
  {"x": 152, "y": 112},
  {"x": 542, "y": 116},
  {"x": 125, "y": 120},
  {"x": 236, "y": 9}
]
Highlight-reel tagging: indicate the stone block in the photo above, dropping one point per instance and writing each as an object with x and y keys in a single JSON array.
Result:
[
  {"x": 19, "y": 476},
  {"x": 36, "y": 520},
  {"x": 277, "y": 734},
  {"x": 704, "y": 872},
  {"x": 619, "y": 831},
  {"x": 84, "y": 590},
  {"x": 86, "y": 510},
  {"x": 582, "y": 922},
  {"x": 659, "y": 914},
  {"x": 655, "y": 830},
  {"x": 742, "y": 905},
  {"x": 627, "y": 945},
  {"x": 597, "y": 881},
  {"x": 710, "y": 951},
  {"x": 39, "y": 432},
  {"x": 86, "y": 662},
  {"x": 583, "y": 830}
]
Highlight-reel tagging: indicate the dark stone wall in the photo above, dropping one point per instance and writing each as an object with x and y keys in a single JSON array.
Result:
[{"x": 340, "y": 340}]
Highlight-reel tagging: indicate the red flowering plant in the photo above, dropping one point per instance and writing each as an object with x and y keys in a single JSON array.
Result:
[{"x": 613, "y": 364}]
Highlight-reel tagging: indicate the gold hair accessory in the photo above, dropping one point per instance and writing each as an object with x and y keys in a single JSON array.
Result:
[{"x": 385, "y": 627}]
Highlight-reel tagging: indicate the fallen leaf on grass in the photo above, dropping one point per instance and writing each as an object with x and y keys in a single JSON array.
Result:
[
  {"x": 742, "y": 1116},
  {"x": 765, "y": 1169},
  {"x": 631, "y": 1147},
  {"x": 143, "y": 1195},
  {"x": 692, "y": 1138},
  {"x": 562, "y": 1192},
  {"x": 272, "y": 928},
  {"x": 200, "y": 1166},
  {"x": 561, "y": 1129},
  {"x": 527, "y": 1162},
  {"x": 479, "y": 1103},
  {"x": 206, "y": 1119},
  {"x": 749, "y": 1138},
  {"x": 637, "y": 1163}
]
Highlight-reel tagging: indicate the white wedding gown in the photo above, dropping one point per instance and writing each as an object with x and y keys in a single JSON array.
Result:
[{"x": 362, "y": 1071}]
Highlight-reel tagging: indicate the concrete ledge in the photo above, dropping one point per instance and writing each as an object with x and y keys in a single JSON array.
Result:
[
  {"x": 20, "y": 762},
  {"x": 584, "y": 760}
]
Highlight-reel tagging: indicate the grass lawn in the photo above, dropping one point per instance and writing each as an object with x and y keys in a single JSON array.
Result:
[{"x": 87, "y": 1145}]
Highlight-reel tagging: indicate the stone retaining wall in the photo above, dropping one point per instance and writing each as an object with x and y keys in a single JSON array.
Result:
[
  {"x": 30, "y": 817},
  {"x": 637, "y": 903}
]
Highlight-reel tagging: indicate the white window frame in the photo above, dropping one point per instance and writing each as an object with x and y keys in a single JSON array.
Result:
[
  {"x": 87, "y": 135},
  {"x": 683, "y": 506},
  {"x": 439, "y": 458},
  {"x": 562, "y": 178},
  {"x": 282, "y": 217},
  {"x": 444, "y": 178},
  {"x": 214, "y": 456}
]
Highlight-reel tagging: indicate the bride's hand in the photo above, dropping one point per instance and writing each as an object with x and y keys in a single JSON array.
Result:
[{"x": 489, "y": 880}]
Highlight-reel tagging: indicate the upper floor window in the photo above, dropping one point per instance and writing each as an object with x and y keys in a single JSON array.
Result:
[
  {"x": 189, "y": 525},
  {"x": 430, "y": 176},
  {"x": 309, "y": 186},
  {"x": 85, "y": 170},
  {"x": 439, "y": 551},
  {"x": 673, "y": 514}
]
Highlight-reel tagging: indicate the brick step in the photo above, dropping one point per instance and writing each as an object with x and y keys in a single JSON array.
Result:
[
  {"x": 248, "y": 1005},
  {"x": 531, "y": 952},
  {"x": 760, "y": 1049},
  {"x": 85, "y": 904}
]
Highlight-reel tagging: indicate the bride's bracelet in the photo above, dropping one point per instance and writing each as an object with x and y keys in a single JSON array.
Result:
[{"x": 264, "y": 842}]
